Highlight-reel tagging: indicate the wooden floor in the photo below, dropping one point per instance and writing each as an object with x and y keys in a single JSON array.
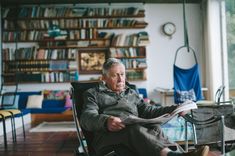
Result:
[
  {"x": 46, "y": 144},
  {"x": 40, "y": 144}
]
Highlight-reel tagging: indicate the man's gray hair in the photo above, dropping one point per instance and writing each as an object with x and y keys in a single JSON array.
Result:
[{"x": 109, "y": 63}]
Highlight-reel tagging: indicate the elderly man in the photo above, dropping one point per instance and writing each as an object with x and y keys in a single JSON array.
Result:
[{"x": 111, "y": 101}]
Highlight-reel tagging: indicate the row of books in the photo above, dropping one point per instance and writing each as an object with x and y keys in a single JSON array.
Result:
[
  {"x": 134, "y": 63},
  {"x": 117, "y": 40},
  {"x": 30, "y": 66},
  {"x": 73, "y": 23},
  {"x": 113, "y": 11},
  {"x": 128, "y": 52},
  {"x": 137, "y": 39},
  {"x": 41, "y": 11},
  {"x": 59, "y": 76},
  {"x": 33, "y": 53},
  {"x": 135, "y": 75},
  {"x": 91, "y": 33},
  {"x": 83, "y": 34},
  {"x": 23, "y": 35},
  {"x": 48, "y": 77},
  {"x": 143, "y": 38},
  {"x": 33, "y": 35}
]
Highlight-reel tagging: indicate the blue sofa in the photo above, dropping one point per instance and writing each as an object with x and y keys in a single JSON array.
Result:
[{"x": 48, "y": 106}]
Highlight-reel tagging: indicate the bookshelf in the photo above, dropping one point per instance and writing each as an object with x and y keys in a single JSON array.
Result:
[
  {"x": 39, "y": 65},
  {"x": 58, "y": 33},
  {"x": 131, "y": 51}
]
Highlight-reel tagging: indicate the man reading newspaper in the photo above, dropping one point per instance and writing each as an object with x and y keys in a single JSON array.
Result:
[{"x": 111, "y": 101}]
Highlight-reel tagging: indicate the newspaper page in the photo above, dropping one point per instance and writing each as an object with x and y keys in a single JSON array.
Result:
[{"x": 186, "y": 106}]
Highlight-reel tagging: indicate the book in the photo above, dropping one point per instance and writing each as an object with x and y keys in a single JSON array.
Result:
[{"x": 186, "y": 106}]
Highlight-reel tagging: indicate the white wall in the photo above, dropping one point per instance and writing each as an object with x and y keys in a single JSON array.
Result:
[{"x": 161, "y": 50}]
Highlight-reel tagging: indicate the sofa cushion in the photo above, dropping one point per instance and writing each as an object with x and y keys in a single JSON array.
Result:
[
  {"x": 48, "y": 105},
  {"x": 47, "y": 110},
  {"x": 24, "y": 97},
  {"x": 25, "y": 111},
  {"x": 34, "y": 101},
  {"x": 53, "y": 103}
]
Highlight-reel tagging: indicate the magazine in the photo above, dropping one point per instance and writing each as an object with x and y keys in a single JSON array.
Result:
[{"x": 186, "y": 106}]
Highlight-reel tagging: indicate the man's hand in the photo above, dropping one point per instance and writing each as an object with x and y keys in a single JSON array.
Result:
[
  {"x": 114, "y": 124},
  {"x": 184, "y": 113}
]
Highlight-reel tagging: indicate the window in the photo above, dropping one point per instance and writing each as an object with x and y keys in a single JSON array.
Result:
[{"x": 230, "y": 21}]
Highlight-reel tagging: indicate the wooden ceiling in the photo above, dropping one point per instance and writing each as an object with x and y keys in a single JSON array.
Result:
[{"x": 20, "y": 2}]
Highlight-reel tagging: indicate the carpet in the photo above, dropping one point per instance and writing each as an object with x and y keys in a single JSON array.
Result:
[{"x": 54, "y": 127}]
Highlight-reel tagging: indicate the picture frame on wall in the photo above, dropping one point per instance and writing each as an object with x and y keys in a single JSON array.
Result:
[{"x": 91, "y": 61}]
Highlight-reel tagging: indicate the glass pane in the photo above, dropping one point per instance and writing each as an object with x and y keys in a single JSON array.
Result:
[{"x": 230, "y": 19}]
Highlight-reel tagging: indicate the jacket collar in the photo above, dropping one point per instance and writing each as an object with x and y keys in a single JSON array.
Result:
[{"x": 104, "y": 88}]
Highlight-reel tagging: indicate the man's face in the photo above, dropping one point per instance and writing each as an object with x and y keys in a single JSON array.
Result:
[{"x": 115, "y": 79}]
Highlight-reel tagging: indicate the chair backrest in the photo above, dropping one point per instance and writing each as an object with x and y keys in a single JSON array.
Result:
[{"x": 78, "y": 89}]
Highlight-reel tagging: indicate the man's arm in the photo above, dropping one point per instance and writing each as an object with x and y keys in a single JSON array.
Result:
[
  {"x": 149, "y": 111},
  {"x": 90, "y": 118}
]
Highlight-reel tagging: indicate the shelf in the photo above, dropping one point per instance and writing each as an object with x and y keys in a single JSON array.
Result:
[
  {"x": 39, "y": 70},
  {"x": 60, "y": 40},
  {"x": 33, "y": 82},
  {"x": 78, "y": 17},
  {"x": 141, "y": 79},
  {"x": 21, "y": 60},
  {"x": 130, "y": 57},
  {"x": 77, "y": 28},
  {"x": 78, "y": 47}
]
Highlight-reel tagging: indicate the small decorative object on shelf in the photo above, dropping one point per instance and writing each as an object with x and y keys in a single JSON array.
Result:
[{"x": 53, "y": 31}]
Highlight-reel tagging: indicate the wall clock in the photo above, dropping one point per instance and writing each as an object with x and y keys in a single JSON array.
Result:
[{"x": 169, "y": 28}]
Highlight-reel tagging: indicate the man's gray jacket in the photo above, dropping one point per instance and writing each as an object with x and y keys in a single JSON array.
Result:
[{"x": 100, "y": 103}]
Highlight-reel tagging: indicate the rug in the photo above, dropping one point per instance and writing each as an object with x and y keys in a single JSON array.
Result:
[{"x": 54, "y": 127}]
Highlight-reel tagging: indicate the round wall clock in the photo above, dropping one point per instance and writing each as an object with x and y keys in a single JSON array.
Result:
[{"x": 169, "y": 28}]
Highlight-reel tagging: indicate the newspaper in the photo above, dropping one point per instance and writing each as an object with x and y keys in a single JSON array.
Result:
[{"x": 186, "y": 106}]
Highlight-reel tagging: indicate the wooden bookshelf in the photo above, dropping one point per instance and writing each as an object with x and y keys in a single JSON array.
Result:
[
  {"x": 134, "y": 59},
  {"x": 64, "y": 31}
]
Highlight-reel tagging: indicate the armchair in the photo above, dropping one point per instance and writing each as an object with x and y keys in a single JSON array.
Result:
[{"x": 86, "y": 137}]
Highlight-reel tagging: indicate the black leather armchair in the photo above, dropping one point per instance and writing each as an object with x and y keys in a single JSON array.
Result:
[{"x": 86, "y": 137}]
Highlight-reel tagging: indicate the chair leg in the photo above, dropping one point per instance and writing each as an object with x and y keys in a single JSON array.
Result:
[
  {"x": 22, "y": 117},
  {"x": 13, "y": 127},
  {"x": 194, "y": 134},
  {"x": 222, "y": 136},
  {"x": 13, "y": 130},
  {"x": 4, "y": 131},
  {"x": 186, "y": 136}
]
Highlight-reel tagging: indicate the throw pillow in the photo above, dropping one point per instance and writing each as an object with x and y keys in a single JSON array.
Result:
[
  {"x": 55, "y": 94},
  {"x": 9, "y": 103},
  {"x": 34, "y": 101},
  {"x": 68, "y": 101}
]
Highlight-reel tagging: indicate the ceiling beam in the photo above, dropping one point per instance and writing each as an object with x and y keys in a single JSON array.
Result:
[{"x": 24, "y": 2}]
